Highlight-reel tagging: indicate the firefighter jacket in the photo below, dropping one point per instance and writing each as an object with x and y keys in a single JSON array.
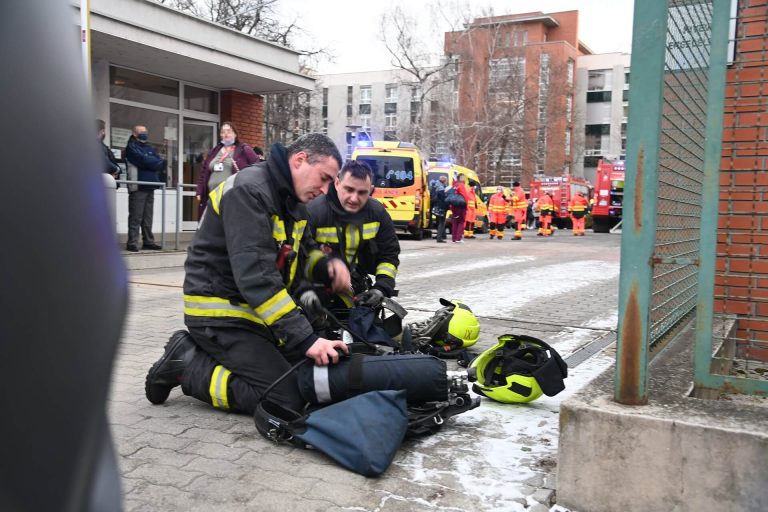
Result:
[
  {"x": 578, "y": 206},
  {"x": 497, "y": 207},
  {"x": 250, "y": 252},
  {"x": 366, "y": 240},
  {"x": 518, "y": 199},
  {"x": 545, "y": 205}
]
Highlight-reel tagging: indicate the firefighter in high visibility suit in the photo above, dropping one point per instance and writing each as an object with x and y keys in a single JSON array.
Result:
[
  {"x": 251, "y": 251},
  {"x": 546, "y": 208},
  {"x": 497, "y": 209},
  {"x": 578, "y": 208},
  {"x": 519, "y": 209},
  {"x": 359, "y": 231},
  {"x": 469, "y": 223}
]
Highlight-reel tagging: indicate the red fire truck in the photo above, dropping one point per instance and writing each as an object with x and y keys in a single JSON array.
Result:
[
  {"x": 609, "y": 196},
  {"x": 561, "y": 188}
]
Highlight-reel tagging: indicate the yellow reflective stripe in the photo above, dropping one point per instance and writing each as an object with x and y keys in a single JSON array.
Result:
[
  {"x": 347, "y": 299},
  {"x": 195, "y": 305},
  {"x": 315, "y": 256},
  {"x": 387, "y": 269},
  {"x": 276, "y": 307},
  {"x": 352, "y": 240},
  {"x": 327, "y": 236},
  {"x": 298, "y": 233},
  {"x": 278, "y": 229},
  {"x": 217, "y": 193},
  {"x": 218, "y": 387},
  {"x": 370, "y": 229}
]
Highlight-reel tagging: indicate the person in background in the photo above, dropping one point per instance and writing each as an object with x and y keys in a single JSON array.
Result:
[
  {"x": 497, "y": 209},
  {"x": 440, "y": 208},
  {"x": 469, "y": 220},
  {"x": 578, "y": 208},
  {"x": 546, "y": 208},
  {"x": 459, "y": 212},
  {"x": 519, "y": 209},
  {"x": 110, "y": 163},
  {"x": 529, "y": 220},
  {"x": 225, "y": 159},
  {"x": 150, "y": 167}
]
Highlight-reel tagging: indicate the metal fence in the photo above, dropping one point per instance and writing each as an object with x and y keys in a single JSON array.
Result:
[{"x": 673, "y": 151}]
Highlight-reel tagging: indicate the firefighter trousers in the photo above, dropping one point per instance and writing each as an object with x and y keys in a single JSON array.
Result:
[{"x": 234, "y": 367}]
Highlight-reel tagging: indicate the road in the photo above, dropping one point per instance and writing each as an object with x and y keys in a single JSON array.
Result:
[{"x": 184, "y": 455}]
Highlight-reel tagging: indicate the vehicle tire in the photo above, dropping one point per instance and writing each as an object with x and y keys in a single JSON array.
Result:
[
  {"x": 427, "y": 233},
  {"x": 600, "y": 225},
  {"x": 485, "y": 227},
  {"x": 418, "y": 234}
]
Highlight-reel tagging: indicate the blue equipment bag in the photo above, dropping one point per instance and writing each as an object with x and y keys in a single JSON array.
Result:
[{"x": 362, "y": 433}]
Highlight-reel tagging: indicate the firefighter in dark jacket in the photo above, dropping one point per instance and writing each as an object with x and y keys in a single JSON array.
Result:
[
  {"x": 250, "y": 254},
  {"x": 349, "y": 226}
]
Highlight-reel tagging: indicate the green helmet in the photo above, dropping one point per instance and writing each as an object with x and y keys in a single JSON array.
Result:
[
  {"x": 518, "y": 369},
  {"x": 461, "y": 330}
]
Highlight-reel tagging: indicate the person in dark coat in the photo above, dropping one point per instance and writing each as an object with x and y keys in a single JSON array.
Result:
[
  {"x": 110, "y": 163},
  {"x": 225, "y": 159},
  {"x": 150, "y": 167}
]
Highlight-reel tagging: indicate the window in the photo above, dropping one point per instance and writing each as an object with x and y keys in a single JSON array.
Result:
[
  {"x": 625, "y": 95},
  {"x": 391, "y": 93},
  {"x": 365, "y": 108},
  {"x": 365, "y": 94},
  {"x": 390, "y": 108},
  {"x": 415, "y": 93},
  {"x": 599, "y": 80},
  {"x": 415, "y": 111},
  {"x": 598, "y": 96},
  {"x": 390, "y": 171},
  {"x": 506, "y": 71},
  {"x": 567, "y": 143},
  {"x": 570, "y": 71},
  {"x": 349, "y": 101},
  {"x": 162, "y": 127},
  {"x": 597, "y": 129},
  {"x": 365, "y": 122},
  {"x": 201, "y": 100},
  {"x": 390, "y": 121},
  {"x": 568, "y": 108},
  {"x": 520, "y": 38},
  {"x": 126, "y": 84}
]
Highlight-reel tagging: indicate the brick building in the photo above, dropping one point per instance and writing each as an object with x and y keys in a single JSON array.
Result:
[
  {"x": 741, "y": 286},
  {"x": 514, "y": 94}
]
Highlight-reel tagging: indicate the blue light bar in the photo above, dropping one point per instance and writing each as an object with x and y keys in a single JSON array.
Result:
[{"x": 364, "y": 144}]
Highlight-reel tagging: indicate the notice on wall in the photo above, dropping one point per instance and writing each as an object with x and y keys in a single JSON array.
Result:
[
  {"x": 119, "y": 137},
  {"x": 171, "y": 133}
]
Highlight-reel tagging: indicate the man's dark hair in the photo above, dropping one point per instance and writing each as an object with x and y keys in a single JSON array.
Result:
[
  {"x": 258, "y": 151},
  {"x": 358, "y": 169},
  {"x": 316, "y": 146},
  {"x": 515, "y": 183},
  {"x": 100, "y": 125}
]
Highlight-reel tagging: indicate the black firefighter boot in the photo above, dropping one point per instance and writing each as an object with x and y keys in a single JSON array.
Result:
[{"x": 166, "y": 373}]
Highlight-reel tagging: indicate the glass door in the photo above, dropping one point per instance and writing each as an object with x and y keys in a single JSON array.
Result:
[{"x": 199, "y": 138}]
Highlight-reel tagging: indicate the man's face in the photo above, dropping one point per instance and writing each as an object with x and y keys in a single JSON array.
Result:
[
  {"x": 353, "y": 192},
  {"x": 311, "y": 180}
]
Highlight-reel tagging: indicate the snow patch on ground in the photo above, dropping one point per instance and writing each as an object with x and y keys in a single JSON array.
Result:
[
  {"x": 501, "y": 294},
  {"x": 475, "y": 265}
]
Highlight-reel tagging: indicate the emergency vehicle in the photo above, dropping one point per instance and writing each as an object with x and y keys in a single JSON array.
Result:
[
  {"x": 561, "y": 188},
  {"x": 400, "y": 180},
  {"x": 451, "y": 170},
  {"x": 609, "y": 196}
]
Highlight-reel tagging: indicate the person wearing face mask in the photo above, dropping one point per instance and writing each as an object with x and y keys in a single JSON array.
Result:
[
  {"x": 350, "y": 226},
  {"x": 150, "y": 167},
  {"x": 225, "y": 159}
]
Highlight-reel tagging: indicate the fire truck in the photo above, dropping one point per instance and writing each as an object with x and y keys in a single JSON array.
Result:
[
  {"x": 561, "y": 188},
  {"x": 609, "y": 196}
]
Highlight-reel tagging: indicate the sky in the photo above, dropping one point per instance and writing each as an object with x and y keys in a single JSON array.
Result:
[{"x": 351, "y": 29}]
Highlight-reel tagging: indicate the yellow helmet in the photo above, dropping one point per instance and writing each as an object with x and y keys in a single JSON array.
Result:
[
  {"x": 462, "y": 329},
  {"x": 518, "y": 369}
]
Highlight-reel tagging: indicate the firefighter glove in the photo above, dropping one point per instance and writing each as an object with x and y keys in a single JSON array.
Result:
[
  {"x": 310, "y": 303},
  {"x": 372, "y": 298}
]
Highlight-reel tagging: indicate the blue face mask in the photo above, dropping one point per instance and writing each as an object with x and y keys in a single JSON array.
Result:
[
  {"x": 227, "y": 142},
  {"x": 143, "y": 137}
]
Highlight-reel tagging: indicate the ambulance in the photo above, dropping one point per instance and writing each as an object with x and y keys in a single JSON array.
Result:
[
  {"x": 451, "y": 170},
  {"x": 400, "y": 181}
]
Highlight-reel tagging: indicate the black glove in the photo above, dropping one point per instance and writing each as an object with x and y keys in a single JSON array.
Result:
[
  {"x": 310, "y": 303},
  {"x": 371, "y": 298}
]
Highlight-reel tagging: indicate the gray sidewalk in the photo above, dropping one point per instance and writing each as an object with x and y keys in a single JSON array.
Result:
[{"x": 184, "y": 455}]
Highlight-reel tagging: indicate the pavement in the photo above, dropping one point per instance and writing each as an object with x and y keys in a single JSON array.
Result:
[{"x": 498, "y": 457}]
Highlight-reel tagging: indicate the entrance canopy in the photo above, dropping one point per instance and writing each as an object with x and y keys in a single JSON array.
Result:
[{"x": 154, "y": 38}]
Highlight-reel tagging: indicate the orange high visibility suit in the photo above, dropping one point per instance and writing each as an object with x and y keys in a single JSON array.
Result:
[
  {"x": 497, "y": 210},
  {"x": 578, "y": 207},
  {"x": 469, "y": 222},
  {"x": 519, "y": 209},
  {"x": 546, "y": 207}
]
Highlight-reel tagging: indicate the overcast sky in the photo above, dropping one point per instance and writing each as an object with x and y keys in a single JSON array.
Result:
[{"x": 351, "y": 29}]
